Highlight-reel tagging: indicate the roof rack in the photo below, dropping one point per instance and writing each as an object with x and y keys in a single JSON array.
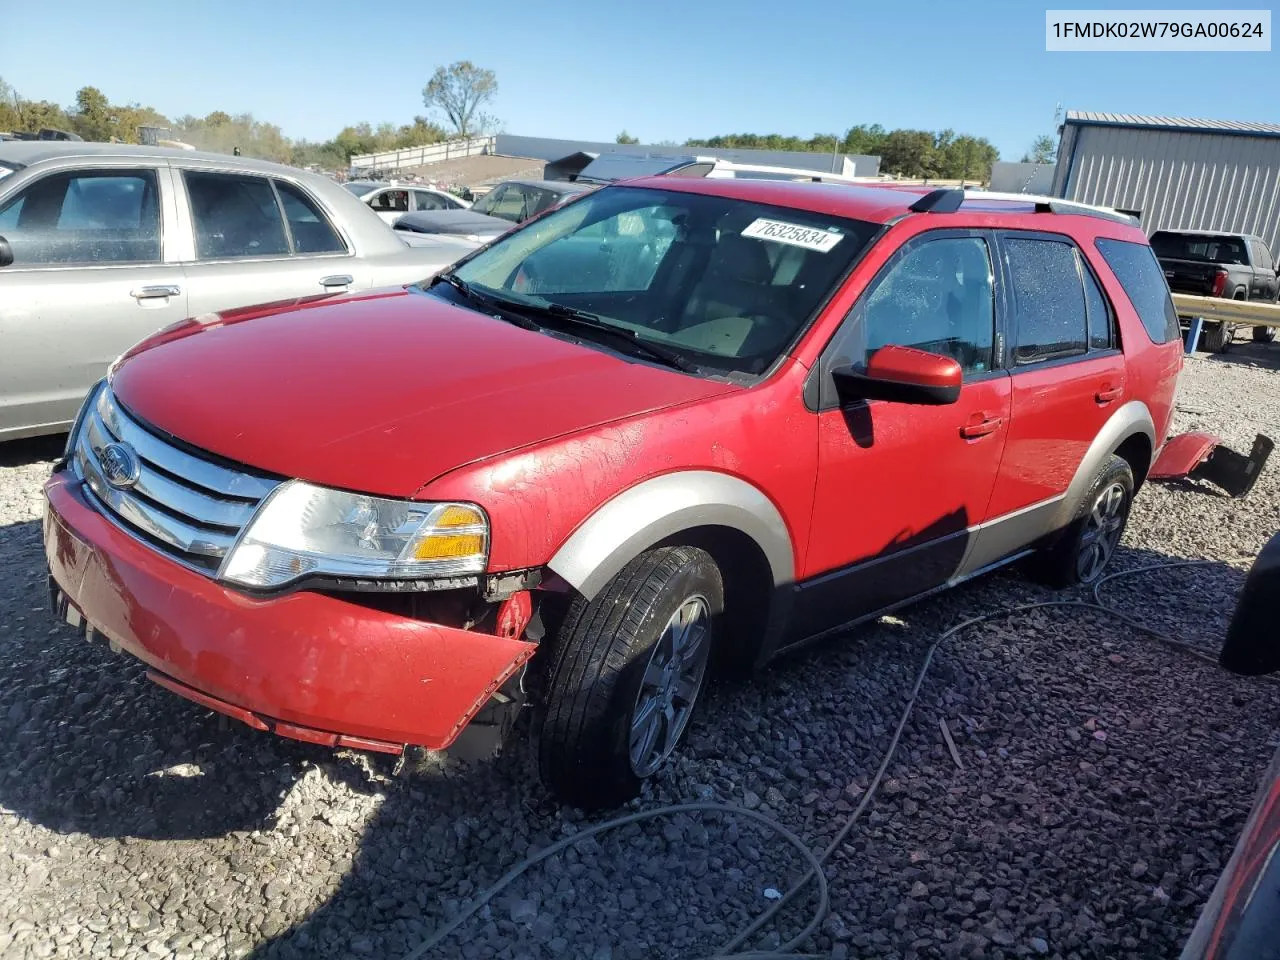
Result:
[
  {"x": 950, "y": 199},
  {"x": 945, "y": 200}
]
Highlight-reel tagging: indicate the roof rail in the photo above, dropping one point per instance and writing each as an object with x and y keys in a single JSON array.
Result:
[
  {"x": 1045, "y": 204},
  {"x": 946, "y": 200}
]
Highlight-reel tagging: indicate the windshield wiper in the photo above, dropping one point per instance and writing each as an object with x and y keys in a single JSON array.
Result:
[
  {"x": 631, "y": 341},
  {"x": 494, "y": 307}
]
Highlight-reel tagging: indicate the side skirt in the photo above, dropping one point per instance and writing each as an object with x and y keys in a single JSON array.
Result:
[{"x": 791, "y": 645}]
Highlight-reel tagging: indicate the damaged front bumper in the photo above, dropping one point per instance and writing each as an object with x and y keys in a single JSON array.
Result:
[{"x": 305, "y": 665}]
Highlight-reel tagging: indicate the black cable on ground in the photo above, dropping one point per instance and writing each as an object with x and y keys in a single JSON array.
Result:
[{"x": 815, "y": 872}]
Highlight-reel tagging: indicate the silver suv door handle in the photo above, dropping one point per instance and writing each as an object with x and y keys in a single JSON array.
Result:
[
  {"x": 340, "y": 280},
  {"x": 154, "y": 293}
]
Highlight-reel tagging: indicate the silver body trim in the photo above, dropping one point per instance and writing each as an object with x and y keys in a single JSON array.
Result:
[{"x": 655, "y": 509}]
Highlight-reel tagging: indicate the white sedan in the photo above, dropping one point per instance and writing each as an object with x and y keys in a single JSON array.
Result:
[{"x": 391, "y": 200}]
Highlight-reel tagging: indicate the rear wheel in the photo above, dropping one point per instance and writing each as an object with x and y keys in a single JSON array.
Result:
[
  {"x": 1216, "y": 337},
  {"x": 627, "y": 670},
  {"x": 1088, "y": 544}
]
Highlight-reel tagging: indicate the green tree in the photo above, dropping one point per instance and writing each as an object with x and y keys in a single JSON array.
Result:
[
  {"x": 92, "y": 118},
  {"x": 10, "y": 119},
  {"x": 1044, "y": 149},
  {"x": 458, "y": 91},
  {"x": 625, "y": 137},
  {"x": 217, "y": 119},
  {"x": 968, "y": 158},
  {"x": 910, "y": 153}
]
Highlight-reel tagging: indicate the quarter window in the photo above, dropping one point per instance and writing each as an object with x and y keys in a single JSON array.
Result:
[
  {"x": 1049, "y": 303},
  {"x": 936, "y": 297},
  {"x": 312, "y": 232},
  {"x": 235, "y": 216},
  {"x": 88, "y": 217},
  {"x": 1143, "y": 281}
]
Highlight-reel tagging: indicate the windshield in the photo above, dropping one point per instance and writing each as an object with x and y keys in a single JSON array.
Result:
[
  {"x": 726, "y": 283},
  {"x": 360, "y": 189},
  {"x": 1207, "y": 249}
]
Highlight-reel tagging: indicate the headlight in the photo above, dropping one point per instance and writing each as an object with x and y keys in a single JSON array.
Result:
[{"x": 303, "y": 529}]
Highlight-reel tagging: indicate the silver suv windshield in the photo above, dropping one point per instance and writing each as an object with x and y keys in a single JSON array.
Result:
[
  {"x": 727, "y": 283},
  {"x": 361, "y": 189}
]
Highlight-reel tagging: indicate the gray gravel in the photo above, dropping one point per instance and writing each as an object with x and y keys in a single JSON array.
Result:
[{"x": 1104, "y": 780}]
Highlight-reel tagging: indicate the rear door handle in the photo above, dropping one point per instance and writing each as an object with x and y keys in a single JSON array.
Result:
[
  {"x": 982, "y": 428},
  {"x": 338, "y": 280},
  {"x": 156, "y": 292},
  {"x": 1108, "y": 394}
]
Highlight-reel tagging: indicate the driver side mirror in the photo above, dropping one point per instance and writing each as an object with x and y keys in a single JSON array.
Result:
[
  {"x": 6, "y": 253},
  {"x": 902, "y": 375}
]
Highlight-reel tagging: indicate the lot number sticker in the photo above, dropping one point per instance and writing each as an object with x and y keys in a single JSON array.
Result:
[{"x": 791, "y": 233}]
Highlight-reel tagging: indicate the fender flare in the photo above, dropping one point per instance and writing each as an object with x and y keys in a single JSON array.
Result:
[
  {"x": 1132, "y": 419},
  {"x": 661, "y": 507}
]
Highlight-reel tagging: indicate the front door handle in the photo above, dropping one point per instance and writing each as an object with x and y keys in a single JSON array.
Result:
[
  {"x": 156, "y": 292},
  {"x": 339, "y": 280},
  {"x": 981, "y": 428},
  {"x": 1108, "y": 394}
]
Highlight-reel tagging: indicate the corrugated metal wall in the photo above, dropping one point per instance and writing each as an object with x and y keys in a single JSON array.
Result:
[{"x": 1186, "y": 181}]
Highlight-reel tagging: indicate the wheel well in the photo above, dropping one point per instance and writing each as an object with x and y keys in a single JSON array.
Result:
[
  {"x": 1136, "y": 450},
  {"x": 748, "y": 589}
]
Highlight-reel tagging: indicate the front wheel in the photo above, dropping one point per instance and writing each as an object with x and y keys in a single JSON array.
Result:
[
  {"x": 627, "y": 669},
  {"x": 1089, "y": 543},
  {"x": 1264, "y": 334}
]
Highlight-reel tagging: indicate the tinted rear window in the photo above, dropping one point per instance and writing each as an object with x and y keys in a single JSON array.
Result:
[
  {"x": 1182, "y": 246},
  {"x": 1136, "y": 268}
]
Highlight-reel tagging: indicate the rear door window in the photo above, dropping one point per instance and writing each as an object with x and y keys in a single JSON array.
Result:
[
  {"x": 1101, "y": 321},
  {"x": 1139, "y": 273},
  {"x": 1050, "y": 316},
  {"x": 86, "y": 217},
  {"x": 235, "y": 216}
]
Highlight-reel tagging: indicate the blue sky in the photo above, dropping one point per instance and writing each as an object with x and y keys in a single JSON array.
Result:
[{"x": 662, "y": 70}]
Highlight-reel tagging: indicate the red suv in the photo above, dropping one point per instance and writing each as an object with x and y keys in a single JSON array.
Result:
[{"x": 673, "y": 421}]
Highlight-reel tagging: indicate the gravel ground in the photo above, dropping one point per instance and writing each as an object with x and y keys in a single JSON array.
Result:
[{"x": 1101, "y": 782}]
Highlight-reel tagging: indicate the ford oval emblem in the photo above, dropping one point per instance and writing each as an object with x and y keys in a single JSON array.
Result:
[{"x": 120, "y": 466}]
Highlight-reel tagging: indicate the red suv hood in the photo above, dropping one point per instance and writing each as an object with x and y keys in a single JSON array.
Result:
[{"x": 380, "y": 393}]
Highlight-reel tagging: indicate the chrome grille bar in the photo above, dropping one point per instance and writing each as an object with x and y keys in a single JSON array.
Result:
[
  {"x": 179, "y": 502},
  {"x": 211, "y": 476}
]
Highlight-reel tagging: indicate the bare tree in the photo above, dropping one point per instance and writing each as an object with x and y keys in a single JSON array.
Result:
[{"x": 457, "y": 91}]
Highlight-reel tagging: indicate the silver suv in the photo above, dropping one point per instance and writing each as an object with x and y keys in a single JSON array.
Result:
[{"x": 103, "y": 244}]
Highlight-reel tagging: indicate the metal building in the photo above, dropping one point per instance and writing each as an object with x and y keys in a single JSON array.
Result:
[{"x": 1174, "y": 172}]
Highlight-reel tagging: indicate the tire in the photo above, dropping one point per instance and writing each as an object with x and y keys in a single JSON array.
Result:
[
  {"x": 1216, "y": 337},
  {"x": 1067, "y": 562},
  {"x": 612, "y": 659},
  {"x": 1264, "y": 334}
]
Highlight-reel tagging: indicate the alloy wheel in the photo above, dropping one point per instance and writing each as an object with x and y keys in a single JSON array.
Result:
[
  {"x": 1102, "y": 530},
  {"x": 670, "y": 685}
]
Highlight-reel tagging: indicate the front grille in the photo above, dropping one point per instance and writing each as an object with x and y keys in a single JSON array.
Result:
[{"x": 184, "y": 504}]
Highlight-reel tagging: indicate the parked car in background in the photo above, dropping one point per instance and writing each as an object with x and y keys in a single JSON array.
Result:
[
  {"x": 790, "y": 408},
  {"x": 507, "y": 204},
  {"x": 392, "y": 200},
  {"x": 1234, "y": 266},
  {"x": 103, "y": 244}
]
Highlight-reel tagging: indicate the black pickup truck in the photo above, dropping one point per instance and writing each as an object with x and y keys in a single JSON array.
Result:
[{"x": 1234, "y": 266}]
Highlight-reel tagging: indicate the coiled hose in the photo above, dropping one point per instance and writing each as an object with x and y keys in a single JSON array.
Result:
[{"x": 786, "y": 951}]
